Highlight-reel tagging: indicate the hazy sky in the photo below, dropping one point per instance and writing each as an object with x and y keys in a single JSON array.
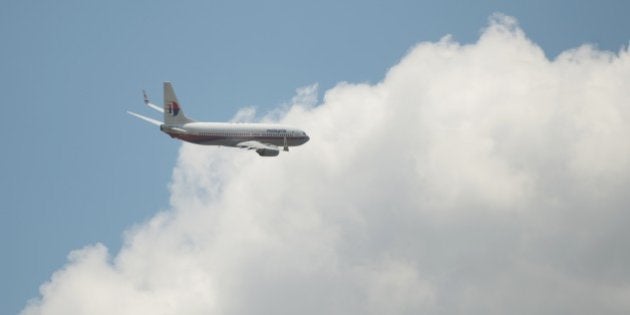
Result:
[{"x": 509, "y": 168}]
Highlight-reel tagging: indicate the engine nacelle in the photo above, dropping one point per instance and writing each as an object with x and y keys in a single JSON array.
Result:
[{"x": 267, "y": 152}]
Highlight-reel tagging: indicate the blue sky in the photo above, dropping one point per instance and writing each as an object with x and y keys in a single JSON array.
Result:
[{"x": 78, "y": 170}]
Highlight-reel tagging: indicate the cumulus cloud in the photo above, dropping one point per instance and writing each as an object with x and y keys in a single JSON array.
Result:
[{"x": 473, "y": 179}]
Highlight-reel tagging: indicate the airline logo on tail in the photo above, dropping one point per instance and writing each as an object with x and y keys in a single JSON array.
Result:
[{"x": 173, "y": 108}]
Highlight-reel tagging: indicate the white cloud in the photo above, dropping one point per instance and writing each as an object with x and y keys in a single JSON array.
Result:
[{"x": 474, "y": 179}]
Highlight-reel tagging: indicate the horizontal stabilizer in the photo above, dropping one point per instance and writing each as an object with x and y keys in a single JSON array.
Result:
[{"x": 151, "y": 120}]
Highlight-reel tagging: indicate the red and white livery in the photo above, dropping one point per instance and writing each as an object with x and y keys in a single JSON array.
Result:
[{"x": 265, "y": 139}]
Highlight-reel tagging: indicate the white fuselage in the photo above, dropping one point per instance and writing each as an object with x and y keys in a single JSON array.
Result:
[
  {"x": 231, "y": 134},
  {"x": 265, "y": 139}
]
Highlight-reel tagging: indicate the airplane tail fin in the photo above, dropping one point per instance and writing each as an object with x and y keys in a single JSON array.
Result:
[{"x": 173, "y": 113}]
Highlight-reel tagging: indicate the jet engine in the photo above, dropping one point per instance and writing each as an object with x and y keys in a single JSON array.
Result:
[{"x": 267, "y": 152}]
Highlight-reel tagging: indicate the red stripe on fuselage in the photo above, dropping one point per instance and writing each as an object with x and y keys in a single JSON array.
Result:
[{"x": 209, "y": 139}]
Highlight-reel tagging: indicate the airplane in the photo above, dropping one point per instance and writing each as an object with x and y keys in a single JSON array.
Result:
[{"x": 265, "y": 139}]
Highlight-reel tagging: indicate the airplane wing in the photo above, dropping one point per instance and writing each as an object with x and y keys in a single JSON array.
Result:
[
  {"x": 263, "y": 149},
  {"x": 255, "y": 145},
  {"x": 148, "y": 103},
  {"x": 151, "y": 120},
  {"x": 159, "y": 109}
]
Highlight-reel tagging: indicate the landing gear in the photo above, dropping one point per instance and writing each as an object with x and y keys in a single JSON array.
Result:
[{"x": 286, "y": 146}]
